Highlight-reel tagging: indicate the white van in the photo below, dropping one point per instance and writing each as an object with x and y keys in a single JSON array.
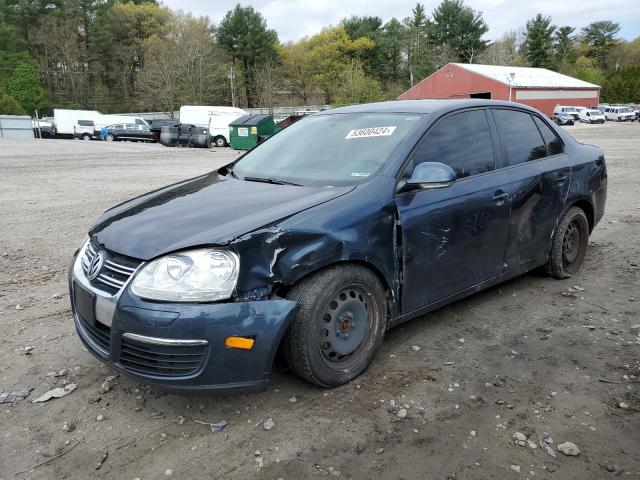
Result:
[
  {"x": 619, "y": 114},
  {"x": 591, "y": 116},
  {"x": 567, "y": 109},
  {"x": 66, "y": 121},
  {"x": 217, "y": 119}
]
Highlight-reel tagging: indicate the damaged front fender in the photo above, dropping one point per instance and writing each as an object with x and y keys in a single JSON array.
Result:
[{"x": 317, "y": 238}]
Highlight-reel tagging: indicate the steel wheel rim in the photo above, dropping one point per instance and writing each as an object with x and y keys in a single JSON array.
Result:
[
  {"x": 571, "y": 243},
  {"x": 345, "y": 326}
]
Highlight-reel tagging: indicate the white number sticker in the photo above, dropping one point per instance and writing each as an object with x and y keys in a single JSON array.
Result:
[
  {"x": 370, "y": 132},
  {"x": 243, "y": 132}
]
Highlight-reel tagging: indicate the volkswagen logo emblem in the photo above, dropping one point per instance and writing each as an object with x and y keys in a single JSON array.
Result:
[{"x": 96, "y": 265}]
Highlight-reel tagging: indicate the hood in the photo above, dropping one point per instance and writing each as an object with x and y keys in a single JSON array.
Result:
[{"x": 207, "y": 210}]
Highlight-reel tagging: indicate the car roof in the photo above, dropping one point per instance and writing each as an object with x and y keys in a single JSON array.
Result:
[{"x": 421, "y": 106}]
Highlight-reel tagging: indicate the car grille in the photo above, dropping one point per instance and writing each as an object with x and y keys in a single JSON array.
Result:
[
  {"x": 161, "y": 360},
  {"x": 115, "y": 272},
  {"x": 100, "y": 334}
]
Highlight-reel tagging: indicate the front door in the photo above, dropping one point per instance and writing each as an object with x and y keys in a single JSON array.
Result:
[{"x": 454, "y": 237}]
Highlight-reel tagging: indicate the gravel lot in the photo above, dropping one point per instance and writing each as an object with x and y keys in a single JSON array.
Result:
[{"x": 541, "y": 357}]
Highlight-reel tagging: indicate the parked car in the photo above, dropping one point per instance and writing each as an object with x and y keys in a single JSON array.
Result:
[
  {"x": 591, "y": 116},
  {"x": 43, "y": 129},
  {"x": 318, "y": 240},
  {"x": 619, "y": 114},
  {"x": 127, "y": 131},
  {"x": 566, "y": 109},
  {"x": 563, "y": 118},
  {"x": 84, "y": 129}
]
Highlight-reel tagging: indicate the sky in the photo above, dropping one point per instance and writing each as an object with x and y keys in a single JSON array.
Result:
[{"x": 294, "y": 19}]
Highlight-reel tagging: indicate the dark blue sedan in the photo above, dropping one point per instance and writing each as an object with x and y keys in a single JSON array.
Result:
[{"x": 337, "y": 228}]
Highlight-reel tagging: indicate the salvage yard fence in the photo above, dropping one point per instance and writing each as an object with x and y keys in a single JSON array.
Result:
[{"x": 16, "y": 126}]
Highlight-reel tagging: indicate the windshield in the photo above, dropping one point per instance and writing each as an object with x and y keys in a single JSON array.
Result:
[{"x": 335, "y": 149}]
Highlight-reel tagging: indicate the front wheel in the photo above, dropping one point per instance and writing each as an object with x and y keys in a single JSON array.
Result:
[
  {"x": 86, "y": 137},
  {"x": 338, "y": 327},
  {"x": 110, "y": 137},
  {"x": 569, "y": 244}
]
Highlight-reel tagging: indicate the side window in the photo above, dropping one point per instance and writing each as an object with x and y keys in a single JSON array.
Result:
[
  {"x": 139, "y": 121},
  {"x": 462, "y": 141},
  {"x": 554, "y": 145},
  {"x": 520, "y": 136}
]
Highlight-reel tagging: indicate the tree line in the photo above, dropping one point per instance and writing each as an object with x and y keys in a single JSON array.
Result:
[{"x": 126, "y": 56}]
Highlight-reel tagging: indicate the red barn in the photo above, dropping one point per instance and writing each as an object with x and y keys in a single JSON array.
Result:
[{"x": 536, "y": 87}]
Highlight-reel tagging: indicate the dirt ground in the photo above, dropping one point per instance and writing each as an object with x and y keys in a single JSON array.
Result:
[{"x": 554, "y": 360}]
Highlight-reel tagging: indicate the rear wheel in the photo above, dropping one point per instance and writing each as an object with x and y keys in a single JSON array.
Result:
[
  {"x": 569, "y": 244},
  {"x": 220, "y": 142},
  {"x": 339, "y": 325},
  {"x": 86, "y": 136}
]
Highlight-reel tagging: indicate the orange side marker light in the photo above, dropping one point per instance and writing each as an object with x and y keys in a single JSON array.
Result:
[{"x": 239, "y": 342}]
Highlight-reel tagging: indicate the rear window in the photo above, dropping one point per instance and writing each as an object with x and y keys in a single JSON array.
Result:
[
  {"x": 520, "y": 137},
  {"x": 554, "y": 144}
]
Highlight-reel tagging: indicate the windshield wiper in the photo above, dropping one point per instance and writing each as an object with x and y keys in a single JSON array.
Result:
[{"x": 274, "y": 181}]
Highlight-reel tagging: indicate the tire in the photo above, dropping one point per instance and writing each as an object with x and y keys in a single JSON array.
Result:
[
  {"x": 110, "y": 137},
  {"x": 86, "y": 137},
  {"x": 338, "y": 327},
  {"x": 220, "y": 142},
  {"x": 568, "y": 244}
]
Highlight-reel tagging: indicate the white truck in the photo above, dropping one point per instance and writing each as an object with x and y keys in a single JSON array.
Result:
[
  {"x": 66, "y": 121},
  {"x": 217, "y": 119}
]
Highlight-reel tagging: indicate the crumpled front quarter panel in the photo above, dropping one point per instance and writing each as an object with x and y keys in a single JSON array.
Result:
[{"x": 358, "y": 227}]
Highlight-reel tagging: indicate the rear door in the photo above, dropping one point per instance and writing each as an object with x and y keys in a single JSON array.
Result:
[
  {"x": 455, "y": 237},
  {"x": 539, "y": 177}
]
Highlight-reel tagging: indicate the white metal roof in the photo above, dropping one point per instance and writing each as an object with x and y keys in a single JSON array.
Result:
[{"x": 526, "y": 76}]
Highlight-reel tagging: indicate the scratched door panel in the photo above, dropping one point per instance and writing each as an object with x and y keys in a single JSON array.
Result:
[{"x": 454, "y": 237}]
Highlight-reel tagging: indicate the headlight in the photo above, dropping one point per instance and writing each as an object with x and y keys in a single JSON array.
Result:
[{"x": 203, "y": 275}]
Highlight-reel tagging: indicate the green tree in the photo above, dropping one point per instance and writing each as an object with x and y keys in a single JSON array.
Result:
[
  {"x": 538, "y": 44},
  {"x": 24, "y": 86},
  {"x": 459, "y": 27},
  {"x": 586, "y": 69},
  {"x": 319, "y": 61},
  {"x": 623, "y": 86},
  {"x": 600, "y": 38},
  {"x": 392, "y": 41},
  {"x": 419, "y": 63},
  {"x": 563, "y": 46},
  {"x": 244, "y": 34},
  {"x": 10, "y": 106},
  {"x": 354, "y": 86},
  {"x": 371, "y": 28}
]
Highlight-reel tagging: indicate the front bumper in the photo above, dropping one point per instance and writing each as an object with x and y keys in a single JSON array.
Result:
[{"x": 180, "y": 347}]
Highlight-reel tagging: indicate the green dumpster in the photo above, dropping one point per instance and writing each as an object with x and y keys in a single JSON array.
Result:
[{"x": 248, "y": 131}]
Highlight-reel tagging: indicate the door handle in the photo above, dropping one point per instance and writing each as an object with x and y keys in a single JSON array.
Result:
[{"x": 499, "y": 196}]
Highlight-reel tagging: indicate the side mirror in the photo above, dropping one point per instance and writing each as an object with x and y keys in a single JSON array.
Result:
[{"x": 428, "y": 175}]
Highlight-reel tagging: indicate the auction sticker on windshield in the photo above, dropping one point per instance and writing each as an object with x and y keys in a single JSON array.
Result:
[{"x": 370, "y": 132}]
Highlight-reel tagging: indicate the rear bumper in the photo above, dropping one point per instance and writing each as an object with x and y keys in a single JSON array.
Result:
[{"x": 204, "y": 366}]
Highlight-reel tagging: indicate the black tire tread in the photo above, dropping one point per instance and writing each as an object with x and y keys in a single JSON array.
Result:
[
  {"x": 305, "y": 293},
  {"x": 555, "y": 267}
]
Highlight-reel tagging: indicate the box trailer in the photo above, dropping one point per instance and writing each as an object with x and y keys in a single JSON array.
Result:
[{"x": 217, "y": 119}]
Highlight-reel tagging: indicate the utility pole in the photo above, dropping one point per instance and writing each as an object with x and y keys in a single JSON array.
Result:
[
  {"x": 233, "y": 91},
  {"x": 510, "y": 80}
]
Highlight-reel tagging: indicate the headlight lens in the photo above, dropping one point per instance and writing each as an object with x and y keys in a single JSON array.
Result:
[{"x": 203, "y": 275}]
